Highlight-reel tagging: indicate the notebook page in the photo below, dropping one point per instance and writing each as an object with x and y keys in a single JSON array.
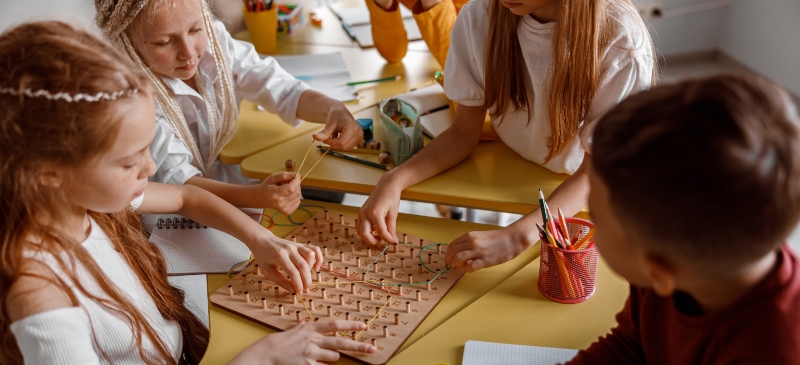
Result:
[
  {"x": 195, "y": 290},
  {"x": 425, "y": 98},
  {"x": 359, "y": 15},
  {"x": 202, "y": 250},
  {"x": 326, "y": 73},
  {"x": 490, "y": 353},
  {"x": 435, "y": 123},
  {"x": 363, "y": 33}
]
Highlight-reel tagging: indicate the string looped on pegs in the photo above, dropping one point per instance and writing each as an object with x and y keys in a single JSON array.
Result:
[{"x": 310, "y": 147}]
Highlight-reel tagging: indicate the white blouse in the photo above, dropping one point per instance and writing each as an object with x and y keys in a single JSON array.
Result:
[
  {"x": 81, "y": 334},
  {"x": 260, "y": 80},
  {"x": 626, "y": 67}
]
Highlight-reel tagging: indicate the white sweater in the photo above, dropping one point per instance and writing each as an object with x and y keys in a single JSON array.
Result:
[
  {"x": 626, "y": 67},
  {"x": 79, "y": 335}
]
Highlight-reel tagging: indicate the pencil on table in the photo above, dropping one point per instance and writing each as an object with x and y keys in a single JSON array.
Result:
[
  {"x": 383, "y": 79},
  {"x": 354, "y": 159}
]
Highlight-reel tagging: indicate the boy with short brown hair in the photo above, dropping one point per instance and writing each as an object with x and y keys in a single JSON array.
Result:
[{"x": 695, "y": 187}]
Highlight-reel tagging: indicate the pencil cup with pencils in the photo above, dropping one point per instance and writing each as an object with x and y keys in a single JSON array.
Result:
[
  {"x": 567, "y": 274},
  {"x": 262, "y": 23}
]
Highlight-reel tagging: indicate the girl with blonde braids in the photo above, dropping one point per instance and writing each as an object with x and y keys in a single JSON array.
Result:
[
  {"x": 79, "y": 282},
  {"x": 545, "y": 70},
  {"x": 201, "y": 74}
]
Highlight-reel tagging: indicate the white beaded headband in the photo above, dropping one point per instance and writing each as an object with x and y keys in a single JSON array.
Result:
[{"x": 70, "y": 98}]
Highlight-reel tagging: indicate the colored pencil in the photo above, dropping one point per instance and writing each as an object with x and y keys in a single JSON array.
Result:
[
  {"x": 383, "y": 79},
  {"x": 564, "y": 229},
  {"x": 434, "y": 110},
  {"x": 354, "y": 159},
  {"x": 542, "y": 206},
  {"x": 581, "y": 243}
]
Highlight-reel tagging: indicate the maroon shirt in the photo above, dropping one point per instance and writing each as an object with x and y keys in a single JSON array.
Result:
[{"x": 761, "y": 327}]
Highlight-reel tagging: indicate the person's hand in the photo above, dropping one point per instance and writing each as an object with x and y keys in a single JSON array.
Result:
[
  {"x": 304, "y": 344},
  {"x": 341, "y": 131},
  {"x": 281, "y": 192},
  {"x": 480, "y": 249},
  {"x": 379, "y": 214},
  {"x": 295, "y": 259}
]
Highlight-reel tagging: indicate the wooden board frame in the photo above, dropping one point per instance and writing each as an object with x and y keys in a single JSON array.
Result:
[{"x": 393, "y": 305}]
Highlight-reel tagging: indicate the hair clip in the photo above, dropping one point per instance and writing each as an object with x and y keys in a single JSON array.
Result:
[{"x": 70, "y": 98}]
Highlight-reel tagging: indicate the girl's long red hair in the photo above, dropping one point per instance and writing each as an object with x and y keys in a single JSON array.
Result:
[{"x": 57, "y": 57}]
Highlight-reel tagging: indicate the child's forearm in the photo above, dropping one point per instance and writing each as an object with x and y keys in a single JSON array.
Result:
[
  {"x": 208, "y": 209},
  {"x": 246, "y": 196},
  {"x": 443, "y": 152},
  {"x": 570, "y": 196},
  {"x": 205, "y": 208},
  {"x": 315, "y": 106}
]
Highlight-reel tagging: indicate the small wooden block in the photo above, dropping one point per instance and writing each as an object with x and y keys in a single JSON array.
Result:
[
  {"x": 384, "y": 158},
  {"x": 289, "y": 164}
]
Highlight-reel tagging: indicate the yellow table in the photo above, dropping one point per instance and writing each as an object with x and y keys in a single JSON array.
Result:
[
  {"x": 515, "y": 312},
  {"x": 493, "y": 177},
  {"x": 230, "y": 333},
  {"x": 259, "y": 130}
]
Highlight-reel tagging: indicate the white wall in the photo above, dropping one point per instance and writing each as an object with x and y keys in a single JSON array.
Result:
[
  {"x": 13, "y": 12},
  {"x": 687, "y": 33},
  {"x": 765, "y": 36}
]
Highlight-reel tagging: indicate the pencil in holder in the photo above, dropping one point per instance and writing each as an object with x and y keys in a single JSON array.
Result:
[
  {"x": 263, "y": 28},
  {"x": 568, "y": 276}
]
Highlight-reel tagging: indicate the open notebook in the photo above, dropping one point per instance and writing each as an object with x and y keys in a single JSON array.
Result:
[
  {"x": 490, "y": 353},
  {"x": 356, "y": 21},
  {"x": 428, "y": 98},
  {"x": 190, "y": 248}
]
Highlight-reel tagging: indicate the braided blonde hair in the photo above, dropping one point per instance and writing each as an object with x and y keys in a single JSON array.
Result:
[{"x": 115, "y": 16}]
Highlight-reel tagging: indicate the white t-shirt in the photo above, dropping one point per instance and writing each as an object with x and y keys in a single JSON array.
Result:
[
  {"x": 626, "y": 67},
  {"x": 77, "y": 335},
  {"x": 261, "y": 81}
]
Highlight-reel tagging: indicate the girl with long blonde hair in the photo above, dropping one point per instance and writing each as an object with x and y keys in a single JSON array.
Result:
[
  {"x": 545, "y": 70},
  {"x": 201, "y": 74},
  {"x": 79, "y": 282}
]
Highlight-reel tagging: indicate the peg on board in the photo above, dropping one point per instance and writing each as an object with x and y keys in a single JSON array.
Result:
[{"x": 383, "y": 158}]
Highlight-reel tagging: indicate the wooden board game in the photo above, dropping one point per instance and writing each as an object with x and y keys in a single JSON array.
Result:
[{"x": 391, "y": 288}]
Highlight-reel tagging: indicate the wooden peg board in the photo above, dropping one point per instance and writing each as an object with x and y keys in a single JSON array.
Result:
[{"x": 340, "y": 259}]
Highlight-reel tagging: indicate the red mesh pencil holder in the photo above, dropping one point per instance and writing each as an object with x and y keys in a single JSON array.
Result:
[{"x": 568, "y": 276}]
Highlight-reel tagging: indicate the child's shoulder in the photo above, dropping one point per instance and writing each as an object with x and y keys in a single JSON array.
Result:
[
  {"x": 37, "y": 290},
  {"x": 627, "y": 31},
  {"x": 476, "y": 9}
]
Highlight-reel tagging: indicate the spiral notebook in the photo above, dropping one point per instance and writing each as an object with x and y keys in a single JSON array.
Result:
[
  {"x": 490, "y": 353},
  {"x": 355, "y": 21},
  {"x": 191, "y": 248}
]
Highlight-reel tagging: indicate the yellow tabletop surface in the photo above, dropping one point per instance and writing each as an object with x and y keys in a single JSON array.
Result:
[
  {"x": 516, "y": 313},
  {"x": 493, "y": 177},
  {"x": 259, "y": 130},
  {"x": 230, "y": 333}
]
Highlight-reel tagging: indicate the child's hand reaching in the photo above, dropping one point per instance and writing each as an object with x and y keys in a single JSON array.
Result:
[
  {"x": 304, "y": 344},
  {"x": 295, "y": 259},
  {"x": 477, "y": 250},
  {"x": 281, "y": 192},
  {"x": 341, "y": 131}
]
